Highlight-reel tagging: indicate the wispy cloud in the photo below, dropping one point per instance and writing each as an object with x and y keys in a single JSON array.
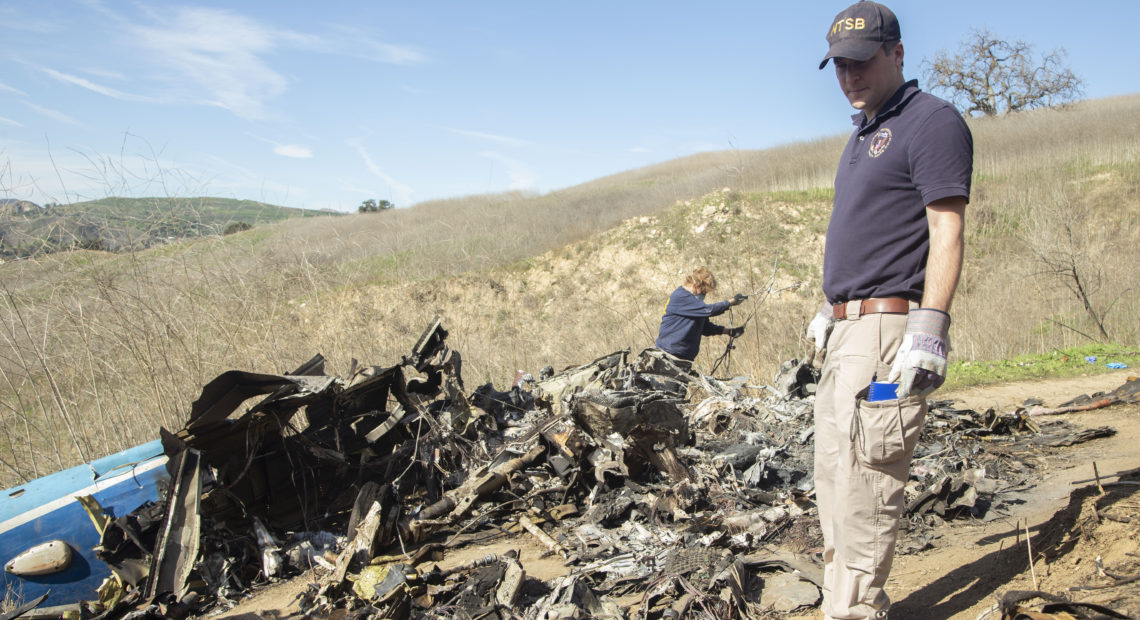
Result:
[
  {"x": 89, "y": 85},
  {"x": 8, "y": 121},
  {"x": 224, "y": 53},
  {"x": 285, "y": 150},
  {"x": 356, "y": 42},
  {"x": 52, "y": 114},
  {"x": 219, "y": 51},
  {"x": 104, "y": 73},
  {"x": 489, "y": 137},
  {"x": 519, "y": 175},
  {"x": 402, "y": 192},
  {"x": 293, "y": 150},
  {"x": 388, "y": 53},
  {"x": 9, "y": 89}
]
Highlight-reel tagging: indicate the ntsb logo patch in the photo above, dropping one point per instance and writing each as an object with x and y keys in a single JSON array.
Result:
[{"x": 880, "y": 142}]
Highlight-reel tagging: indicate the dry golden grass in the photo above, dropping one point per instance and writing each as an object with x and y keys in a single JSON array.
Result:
[{"x": 98, "y": 350}]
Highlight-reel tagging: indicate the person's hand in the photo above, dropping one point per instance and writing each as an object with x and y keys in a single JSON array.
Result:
[
  {"x": 820, "y": 327},
  {"x": 920, "y": 363},
  {"x": 737, "y": 299},
  {"x": 736, "y": 332}
]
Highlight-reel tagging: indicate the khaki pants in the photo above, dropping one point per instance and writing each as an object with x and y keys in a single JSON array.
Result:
[{"x": 862, "y": 460}]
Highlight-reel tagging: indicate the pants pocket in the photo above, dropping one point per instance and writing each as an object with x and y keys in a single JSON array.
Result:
[{"x": 887, "y": 430}]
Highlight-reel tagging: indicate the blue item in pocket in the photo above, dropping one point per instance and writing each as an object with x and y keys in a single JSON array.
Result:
[{"x": 883, "y": 391}]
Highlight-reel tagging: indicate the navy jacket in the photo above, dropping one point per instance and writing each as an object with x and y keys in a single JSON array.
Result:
[{"x": 686, "y": 319}]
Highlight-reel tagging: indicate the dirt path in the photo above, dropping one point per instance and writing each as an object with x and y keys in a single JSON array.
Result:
[
  {"x": 973, "y": 562},
  {"x": 1053, "y": 392}
]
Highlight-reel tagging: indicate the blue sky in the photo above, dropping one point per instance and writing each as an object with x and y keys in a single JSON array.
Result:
[{"x": 326, "y": 104}]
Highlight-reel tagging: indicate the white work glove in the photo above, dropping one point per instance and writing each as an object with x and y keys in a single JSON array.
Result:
[
  {"x": 820, "y": 327},
  {"x": 920, "y": 363}
]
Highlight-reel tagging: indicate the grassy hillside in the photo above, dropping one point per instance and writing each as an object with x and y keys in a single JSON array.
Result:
[
  {"x": 115, "y": 224},
  {"x": 102, "y": 348}
]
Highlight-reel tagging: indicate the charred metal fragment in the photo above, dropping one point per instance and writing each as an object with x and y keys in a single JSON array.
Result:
[{"x": 176, "y": 551}]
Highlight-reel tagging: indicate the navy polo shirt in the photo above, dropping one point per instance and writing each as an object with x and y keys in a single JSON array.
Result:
[{"x": 916, "y": 150}]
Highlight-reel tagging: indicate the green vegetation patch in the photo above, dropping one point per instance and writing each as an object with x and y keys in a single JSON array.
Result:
[
  {"x": 120, "y": 224},
  {"x": 253, "y": 237},
  {"x": 1070, "y": 362}
]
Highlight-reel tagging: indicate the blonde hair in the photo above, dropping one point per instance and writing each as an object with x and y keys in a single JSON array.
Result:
[{"x": 701, "y": 281}]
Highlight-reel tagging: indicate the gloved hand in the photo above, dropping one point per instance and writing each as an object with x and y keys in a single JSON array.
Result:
[
  {"x": 737, "y": 299},
  {"x": 820, "y": 327},
  {"x": 735, "y": 332},
  {"x": 920, "y": 363}
]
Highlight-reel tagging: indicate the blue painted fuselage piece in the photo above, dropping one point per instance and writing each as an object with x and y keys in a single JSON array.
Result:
[{"x": 46, "y": 509}]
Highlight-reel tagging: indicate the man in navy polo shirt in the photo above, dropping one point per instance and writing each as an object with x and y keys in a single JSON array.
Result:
[{"x": 891, "y": 265}]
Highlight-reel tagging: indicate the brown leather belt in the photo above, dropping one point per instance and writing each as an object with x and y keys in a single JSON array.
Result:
[{"x": 881, "y": 305}]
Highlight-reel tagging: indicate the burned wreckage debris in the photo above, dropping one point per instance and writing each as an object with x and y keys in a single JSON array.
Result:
[{"x": 665, "y": 492}]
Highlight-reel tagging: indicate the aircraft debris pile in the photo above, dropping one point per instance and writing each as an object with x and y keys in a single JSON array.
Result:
[{"x": 664, "y": 491}]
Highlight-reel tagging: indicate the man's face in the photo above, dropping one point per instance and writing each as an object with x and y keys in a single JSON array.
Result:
[{"x": 869, "y": 83}]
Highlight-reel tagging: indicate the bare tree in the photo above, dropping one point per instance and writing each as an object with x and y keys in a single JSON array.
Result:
[
  {"x": 989, "y": 76},
  {"x": 1067, "y": 251}
]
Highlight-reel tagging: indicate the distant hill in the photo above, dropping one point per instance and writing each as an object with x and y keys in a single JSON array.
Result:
[{"x": 116, "y": 224}]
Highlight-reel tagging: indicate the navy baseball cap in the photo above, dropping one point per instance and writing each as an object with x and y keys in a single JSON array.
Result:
[{"x": 860, "y": 30}]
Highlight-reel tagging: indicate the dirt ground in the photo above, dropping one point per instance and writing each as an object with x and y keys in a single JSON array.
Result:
[{"x": 972, "y": 563}]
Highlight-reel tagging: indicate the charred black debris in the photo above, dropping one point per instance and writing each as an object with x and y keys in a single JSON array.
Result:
[{"x": 665, "y": 492}]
